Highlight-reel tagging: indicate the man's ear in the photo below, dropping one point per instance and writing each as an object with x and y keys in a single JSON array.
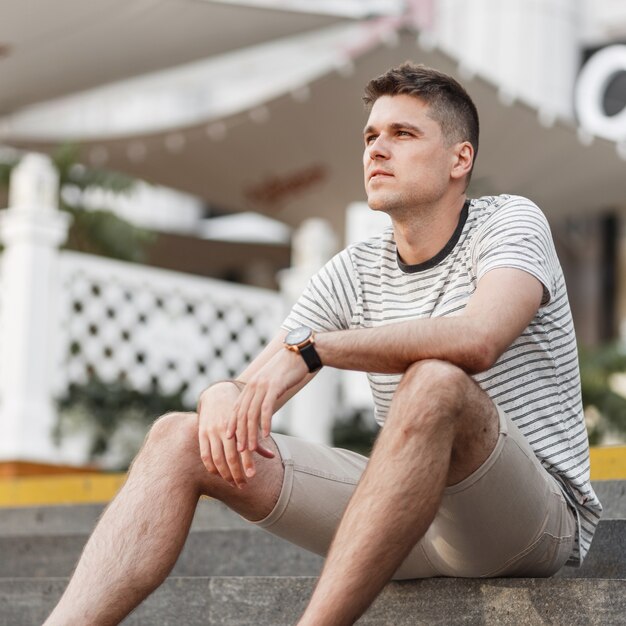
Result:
[{"x": 463, "y": 159}]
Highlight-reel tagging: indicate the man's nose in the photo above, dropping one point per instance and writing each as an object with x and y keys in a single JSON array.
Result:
[{"x": 378, "y": 148}]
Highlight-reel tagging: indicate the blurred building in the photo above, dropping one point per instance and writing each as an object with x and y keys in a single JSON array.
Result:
[
  {"x": 564, "y": 59},
  {"x": 232, "y": 119},
  {"x": 253, "y": 109}
]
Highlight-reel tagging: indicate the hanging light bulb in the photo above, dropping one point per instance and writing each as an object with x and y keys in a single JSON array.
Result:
[
  {"x": 175, "y": 142},
  {"x": 260, "y": 115},
  {"x": 301, "y": 94},
  {"x": 136, "y": 151},
  {"x": 216, "y": 131},
  {"x": 98, "y": 156}
]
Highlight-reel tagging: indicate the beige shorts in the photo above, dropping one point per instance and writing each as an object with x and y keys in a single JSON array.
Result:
[{"x": 508, "y": 518}]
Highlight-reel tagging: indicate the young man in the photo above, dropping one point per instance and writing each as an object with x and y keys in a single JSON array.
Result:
[{"x": 460, "y": 314}]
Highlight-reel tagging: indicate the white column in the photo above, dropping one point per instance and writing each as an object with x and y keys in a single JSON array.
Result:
[
  {"x": 31, "y": 230},
  {"x": 311, "y": 413}
]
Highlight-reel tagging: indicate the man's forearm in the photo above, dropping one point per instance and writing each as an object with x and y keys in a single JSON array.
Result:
[{"x": 394, "y": 347}]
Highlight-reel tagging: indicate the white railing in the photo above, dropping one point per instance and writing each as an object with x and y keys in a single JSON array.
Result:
[
  {"x": 154, "y": 328},
  {"x": 66, "y": 318}
]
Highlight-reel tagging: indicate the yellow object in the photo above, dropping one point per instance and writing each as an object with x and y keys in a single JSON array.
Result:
[
  {"x": 608, "y": 463},
  {"x": 77, "y": 489}
]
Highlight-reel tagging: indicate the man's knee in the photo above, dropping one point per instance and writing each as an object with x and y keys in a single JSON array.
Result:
[
  {"x": 431, "y": 399},
  {"x": 174, "y": 431},
  {"x": 434, "y": 381}
]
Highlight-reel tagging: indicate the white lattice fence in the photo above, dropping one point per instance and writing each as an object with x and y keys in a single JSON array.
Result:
[{"x": 122, "y": 321}]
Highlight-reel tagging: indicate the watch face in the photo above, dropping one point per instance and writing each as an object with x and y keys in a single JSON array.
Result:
[{"x": 298, "y": 335}]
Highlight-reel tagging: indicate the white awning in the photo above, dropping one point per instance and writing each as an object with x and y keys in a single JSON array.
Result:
[
  {"x": 53, "y": 48},
  {"x": 299, "y": 154}
]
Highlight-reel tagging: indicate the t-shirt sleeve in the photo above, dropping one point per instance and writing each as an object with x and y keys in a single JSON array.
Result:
[
  {"x": 329, "y": 301},
  {"x": 517, "y": 235}
]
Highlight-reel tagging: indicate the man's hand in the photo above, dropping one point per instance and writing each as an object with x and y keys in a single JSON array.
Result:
[
  {"x": 259, "y": 400},
  {"x": 219, "y": 452}
]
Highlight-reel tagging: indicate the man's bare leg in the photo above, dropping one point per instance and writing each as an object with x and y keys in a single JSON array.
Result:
[
  {"x": 139, "y": 537},
  {"x": 441, "y": 427}
]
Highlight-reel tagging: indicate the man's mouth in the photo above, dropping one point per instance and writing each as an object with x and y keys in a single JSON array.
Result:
[{"x": 379, "y": 173}]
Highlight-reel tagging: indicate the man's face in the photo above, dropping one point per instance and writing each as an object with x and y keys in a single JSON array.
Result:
[{"x": 406, "y": 161}]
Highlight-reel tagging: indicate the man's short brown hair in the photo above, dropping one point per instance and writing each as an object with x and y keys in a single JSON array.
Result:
[{"x": 449, "y": 104}]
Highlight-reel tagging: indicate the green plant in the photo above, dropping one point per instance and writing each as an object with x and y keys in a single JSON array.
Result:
[
  {"x": 93, "y": 231},
  {"x": 356, "y": 432},
  {"x": 602, "y": 393},
  {"x": 102, "y": 409}
]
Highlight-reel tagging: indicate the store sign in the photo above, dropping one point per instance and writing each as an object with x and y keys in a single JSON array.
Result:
[{"x": 593, "y": 81}]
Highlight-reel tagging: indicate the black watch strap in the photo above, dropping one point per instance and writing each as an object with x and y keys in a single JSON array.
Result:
[{"x": 311, "y": 357}]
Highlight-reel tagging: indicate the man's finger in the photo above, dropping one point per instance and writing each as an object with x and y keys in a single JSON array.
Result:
[
  {"x": 205, "y": 452},
  {"x": 233, "y": 458},
  {"x": 267, "y": 411},
  {"x": 231, "y": 425},
  {"x": 246, "y": 426},
  {"x": 253, "y": 431},
  {"x": 263, "y": 416},
  {"x": 252, "y": 418},
  {"x": 242, "y": 401},
  {"x": 263, "y": 448},
  {"x": 219, "y": 459},
  {"x": 241, "y": 433},
  {"x": 249, "y": 467},
  {"x": 240, "y": 412},
  {"x": 266, "y": 424}
]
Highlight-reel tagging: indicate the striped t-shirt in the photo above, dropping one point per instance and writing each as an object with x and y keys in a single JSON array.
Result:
[{"x": 536, "y": 380}]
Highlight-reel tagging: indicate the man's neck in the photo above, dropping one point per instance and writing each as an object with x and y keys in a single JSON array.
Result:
[{"x": 421, "y": 233}]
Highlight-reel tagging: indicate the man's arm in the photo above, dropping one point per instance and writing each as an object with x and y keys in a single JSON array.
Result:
[
  {"x": 274, "y": 346},
  {"x": 504, "y": 303},
  {"x": 215, "y": 408}
]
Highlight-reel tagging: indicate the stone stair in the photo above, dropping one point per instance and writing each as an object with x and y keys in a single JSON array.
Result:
[{"x": 230, "y": 573}]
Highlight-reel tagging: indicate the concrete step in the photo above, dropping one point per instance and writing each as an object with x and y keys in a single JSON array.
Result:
[
  {"x": 251, "y": 551},
  {"x": 235, "y": 601},
  {"x": 612, "y": 494},
  {"x": 80, "y": 519},
  {"x": 218, "y": 552},
  {"x": 607, "y": 555}
]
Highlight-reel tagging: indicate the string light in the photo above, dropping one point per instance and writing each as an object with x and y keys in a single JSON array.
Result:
[
  {"x": 216, "y": 131},
  {"x": 175, "y": 142},
  {"x": 301, "y": 94},
  {"x": 345, "y": 68},
  {"x": 98, "y": 156},
  {"x": 136, "y": 151},
  {"x": 260, "y": 115}
]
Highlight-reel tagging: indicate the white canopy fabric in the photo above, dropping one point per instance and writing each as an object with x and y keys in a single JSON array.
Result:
[
  {"x": 52, "y": 48},
  {"x": 300, "y": 154}
]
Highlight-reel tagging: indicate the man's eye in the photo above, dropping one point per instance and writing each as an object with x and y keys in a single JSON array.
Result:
[
  {"x": 370, "y": 138},
  {"x": 404, "y": 132}
]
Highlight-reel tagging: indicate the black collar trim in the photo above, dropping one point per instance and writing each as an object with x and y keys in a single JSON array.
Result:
[{"x": 443, "y": 253}]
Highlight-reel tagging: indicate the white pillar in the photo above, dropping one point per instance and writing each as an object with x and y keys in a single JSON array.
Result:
[
  {"x": 31, "y": 230},
  {"x": 311, "y": 413}
]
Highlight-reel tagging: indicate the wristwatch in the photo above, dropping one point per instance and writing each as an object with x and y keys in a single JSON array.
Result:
[{"x": 302, "y": 340}]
